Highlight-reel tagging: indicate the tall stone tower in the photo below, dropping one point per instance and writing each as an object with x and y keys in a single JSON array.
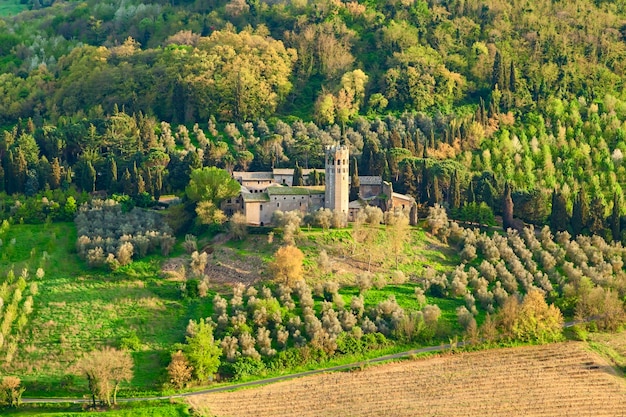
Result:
[{"x": 337, "y": 178}]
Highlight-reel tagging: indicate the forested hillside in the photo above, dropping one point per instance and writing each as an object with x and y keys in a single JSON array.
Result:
[{"x": 450, "y": 100}]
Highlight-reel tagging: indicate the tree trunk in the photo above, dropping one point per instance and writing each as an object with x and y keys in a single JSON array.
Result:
[{"x": 117, "y": 386}]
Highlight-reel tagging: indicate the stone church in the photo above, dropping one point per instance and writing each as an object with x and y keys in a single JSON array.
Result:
[{"x": 263, "y": 193}]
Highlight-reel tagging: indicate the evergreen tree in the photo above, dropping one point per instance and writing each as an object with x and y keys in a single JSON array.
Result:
[
  {"x": 88, "y": 179},
  {"x": 32, "y": 183},
  {"x": 615, "y": 218},
  {"x": 355, "y": 183},
  {"x": 559, "y": 219},
  {"x": 487, "y": 194},
  {"x": 579, "y": 213},
  {"x": 298, "y": 180},
  {"x": 408, "y": 180},
  {"x": 512, "y": 78},
  {"x": 314, "y": 178},
  {"x": 54, "y": 179},
  {"x": 158, "y": 185},
  {"x": 507, "y": 207},
  {"x": 455, "y": 191},
  {"x": 127, "y": 182},
  {"x": 111, "y": 175},
  {"x": 425, "y": 185},
  {"x": 497, "y": 75},
  {"x": 596, "y": 216},
  {"x": 471, "y": 196},
  {"x": 435, "y": 192},
  {"x": 141, "y": 185},
  {"x": 2, "y": 180}
]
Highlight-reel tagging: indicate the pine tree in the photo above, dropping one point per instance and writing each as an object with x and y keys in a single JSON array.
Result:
[
  {"x": 579, "y": 213},
  {"x": 615, "y": 218},
  {"x": 507, "y": 207},
  {"x": 559, "y": 219}
]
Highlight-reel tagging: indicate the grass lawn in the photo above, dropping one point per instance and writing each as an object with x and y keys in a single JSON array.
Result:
[
  {"x": 78, "y": 310},
  {"x": 11, "y": 7}
]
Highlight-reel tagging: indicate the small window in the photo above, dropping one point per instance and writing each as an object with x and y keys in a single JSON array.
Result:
[
  {"x": 277, "y": 204},
  {"x": 261, "y": 207}
]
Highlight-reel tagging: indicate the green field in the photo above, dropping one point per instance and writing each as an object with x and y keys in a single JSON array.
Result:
[
  {"x": 11, "y": 7},
  {"x": 78, "y": 309}
]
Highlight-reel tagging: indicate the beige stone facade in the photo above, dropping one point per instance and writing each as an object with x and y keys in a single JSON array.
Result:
[{"x": 263, "y": 193}]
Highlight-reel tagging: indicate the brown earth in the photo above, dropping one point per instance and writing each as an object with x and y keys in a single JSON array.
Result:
[{"x": 554, "y": 380}]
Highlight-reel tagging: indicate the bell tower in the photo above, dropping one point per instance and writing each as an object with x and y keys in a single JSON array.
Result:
[{"x": 337, "y": 178}]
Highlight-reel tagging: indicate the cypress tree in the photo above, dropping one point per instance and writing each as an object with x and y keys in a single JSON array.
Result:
[
  {"x": 355, "y": 183},
  {"x": 111, "y": 174},
  {"x": 471, "y": 196},
  {"x": 424, "y": 190},
  {"x": 435, "y": 193},
  {"x": 455, "y": 191},
  {"x": 32, "y": 183},
  {"x": 127, "y": 182},
  {"x": 487, "y": 193},
  {"x": 559, "y": 219},
  {"x": 512, "y": 78},
  {"x": 596, "y": 216},
  {"x": 497, "y": 74},
  {"x": 408, "y": 179},
  {"x": 297, "y": 176},
  {"x": 141, "y": 184},
  {"x": 507, "y": 207},
  {"x": 316, "y": 177},
  {"x": 158, "y": 185},
  {"x": 615, "y": 218},
  {"x": 55, "y": 174},
  {"x": 579, "y": 213}
]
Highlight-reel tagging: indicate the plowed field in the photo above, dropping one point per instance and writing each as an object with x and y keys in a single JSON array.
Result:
[{"x": 554, "y": 380}]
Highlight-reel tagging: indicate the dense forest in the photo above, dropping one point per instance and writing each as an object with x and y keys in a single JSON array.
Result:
[{"x": 456, "y": 102}]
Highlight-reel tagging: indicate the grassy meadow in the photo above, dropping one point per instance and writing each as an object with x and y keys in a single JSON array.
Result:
[
  {"x": 78, "y": 309},
  {"x": 11, "y": 7}
]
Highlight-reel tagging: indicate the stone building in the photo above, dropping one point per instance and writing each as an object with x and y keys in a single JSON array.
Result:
[{"x": 263, "y": 193}]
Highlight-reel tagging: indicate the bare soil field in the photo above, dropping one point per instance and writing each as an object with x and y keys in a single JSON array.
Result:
[{"x": 555, "y": 380}]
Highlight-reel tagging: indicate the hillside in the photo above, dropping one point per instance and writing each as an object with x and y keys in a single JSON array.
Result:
[
  {"x": 449, "y": 101},
  {"x": 503, "y": 122}
]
